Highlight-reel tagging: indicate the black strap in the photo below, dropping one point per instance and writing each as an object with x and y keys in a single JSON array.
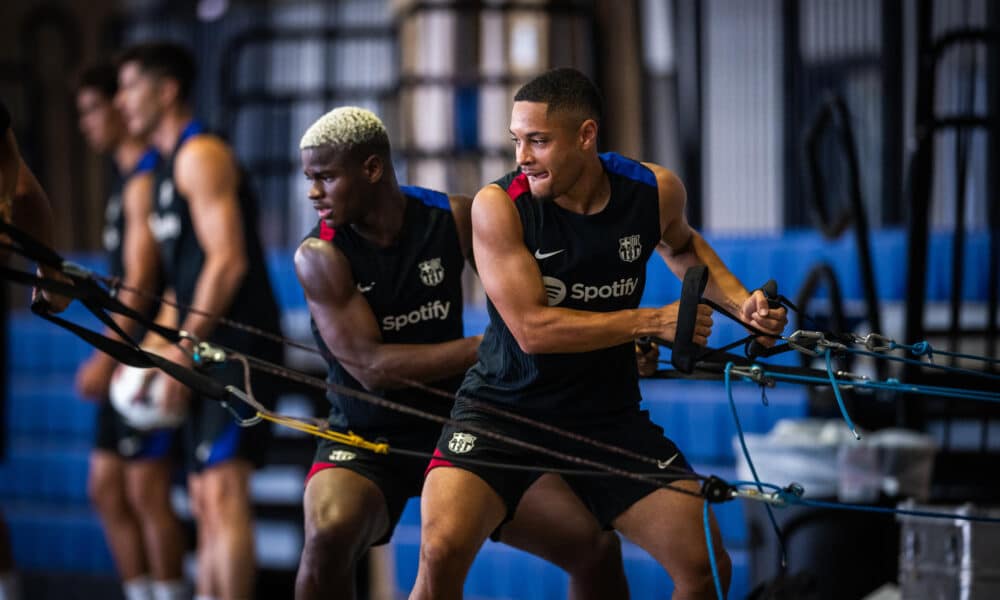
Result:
[
  {"x": 32, "y": 248},
  {"x": 97, "y": 300},
  {"x": 685, "y": 351},
  {"x": 134, "y": 356}
]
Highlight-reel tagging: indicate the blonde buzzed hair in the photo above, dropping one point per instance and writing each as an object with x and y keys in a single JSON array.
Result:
[{"x": 347, "y": 127}]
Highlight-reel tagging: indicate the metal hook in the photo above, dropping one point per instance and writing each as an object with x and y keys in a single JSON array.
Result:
[
  {"x": 876, "y": 342},
  {"x": 806, "y": 341},
  {"x": 240, "y": 420}
]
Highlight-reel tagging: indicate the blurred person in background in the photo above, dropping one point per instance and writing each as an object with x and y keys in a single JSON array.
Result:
[
  {"x": 130, "y": 469},
  {"x": 205, "y": 224}
]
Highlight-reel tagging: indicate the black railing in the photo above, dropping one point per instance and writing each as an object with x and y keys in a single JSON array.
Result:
[{"x": 957, "y": 474}]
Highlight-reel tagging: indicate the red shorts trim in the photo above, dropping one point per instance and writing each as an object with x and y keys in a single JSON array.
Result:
[
  {"x": 436, "y": 462},
  {"x": 316, "y": 468}
]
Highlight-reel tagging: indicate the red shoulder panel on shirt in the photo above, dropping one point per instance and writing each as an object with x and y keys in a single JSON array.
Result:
[
  {"x": 326, "y": 232},
  {"x": 518, "y": 186}
]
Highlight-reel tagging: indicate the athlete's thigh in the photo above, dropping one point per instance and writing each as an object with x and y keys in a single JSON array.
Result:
[
  {"x": 227, "y": 481},
  {"x": 669, "y": 525},
  {"x": 459, "y": 509},
  {"x": 106, "y": 471},
  {"x": 148, "y": 481},
  {"x": 338, "y": 498},
  {"x": 552, "y": 522}
]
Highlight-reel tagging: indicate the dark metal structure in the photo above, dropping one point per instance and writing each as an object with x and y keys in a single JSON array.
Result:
[{"x": 959, "y": 470}]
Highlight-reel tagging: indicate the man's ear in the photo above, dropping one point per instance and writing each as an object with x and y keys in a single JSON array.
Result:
[
  {"x": 168, "y": 90},
  {"x": 588, "y": 134},
  {"x": 374, "y": 168}
]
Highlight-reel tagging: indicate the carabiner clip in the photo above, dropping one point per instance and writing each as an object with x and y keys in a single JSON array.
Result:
[
  {"x": 240, "y": 420},
  {"x": 806, "y": 341},
  {"x": 879, "y": 343}
]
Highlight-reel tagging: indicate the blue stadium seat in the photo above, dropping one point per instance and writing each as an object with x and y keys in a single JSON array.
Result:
[
  {"x": 789, "y": 257},
  {"x": 46, "y": 473},
  {"x": 281, "y": 268},
  {"x": 57, "y": 538},
  {"x": 47, "y": 405},
  {"x": 697, "y": 416}
]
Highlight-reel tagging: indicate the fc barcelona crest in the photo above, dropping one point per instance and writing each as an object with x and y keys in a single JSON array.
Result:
[
  {"x": 461, "y": 443},
  {"x": 629, "y": 248},
  {"x": 431, "y": 272},
  {"x": 166, "y": 193},
  {"x": 342, "y": 455}
]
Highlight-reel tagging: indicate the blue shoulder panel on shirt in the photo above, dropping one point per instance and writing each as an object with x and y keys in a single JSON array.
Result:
[
  {"x": 626, "y": 167},
  {"x": 426, "y": 196},
  {"x": 193, "y": 128},
  {"x": 148, "y": 162}
]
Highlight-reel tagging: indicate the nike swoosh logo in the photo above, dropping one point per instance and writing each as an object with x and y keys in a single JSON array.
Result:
[
  {"x": 663, "y": 464},
  {"x": 541, "y": 255},
  {"x": 365, "y": 288}
]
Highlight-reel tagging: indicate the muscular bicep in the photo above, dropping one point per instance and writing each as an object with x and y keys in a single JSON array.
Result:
[
  {"x": 676, "y": 235},
  {"x": 343, "y": 317},
  {"x": 509, "y": 273},
  {"x": 206, "y": 174},
  {"x": 461, "y": 211}
]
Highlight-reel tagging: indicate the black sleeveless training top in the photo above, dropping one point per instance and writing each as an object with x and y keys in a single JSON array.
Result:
[
  {"x": 414, "y": 288},
  {"x": 4, "y": 118},
  {"x": 182, "y": 256},
  {"x": 588, "y": 262}
]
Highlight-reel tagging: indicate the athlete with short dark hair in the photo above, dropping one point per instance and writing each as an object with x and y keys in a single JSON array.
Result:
[
  {"x": 562, "y": 244},
  {"x": 205, "y": 224}
]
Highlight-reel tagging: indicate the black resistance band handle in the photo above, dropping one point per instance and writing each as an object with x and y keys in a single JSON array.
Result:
[
  {"x": 685, "y": 352},
  {"x": 770, "y": 290}
]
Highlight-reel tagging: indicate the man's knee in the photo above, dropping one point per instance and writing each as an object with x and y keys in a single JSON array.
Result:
[
  {"x": 333, "y": 541},
  {"x": 603, "y": 551},
  {"x": 222, "y": 494},
  {"x": 443, "y": 554},
  {"x": 596, "y": 553},
  {"x": 698, "y": 576}
]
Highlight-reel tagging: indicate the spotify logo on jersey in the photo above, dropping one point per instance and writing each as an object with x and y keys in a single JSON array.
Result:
[{"x": 555, "y": 289}]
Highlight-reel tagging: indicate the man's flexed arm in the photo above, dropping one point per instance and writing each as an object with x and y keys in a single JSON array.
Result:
[
  {"x": 205, "y": 173},
  {"x": 29, "y": 207},
  {"x": 513, "y": 282},
  {"x": 349, "y": 329},
  {"x": 682, "y": 247}
]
